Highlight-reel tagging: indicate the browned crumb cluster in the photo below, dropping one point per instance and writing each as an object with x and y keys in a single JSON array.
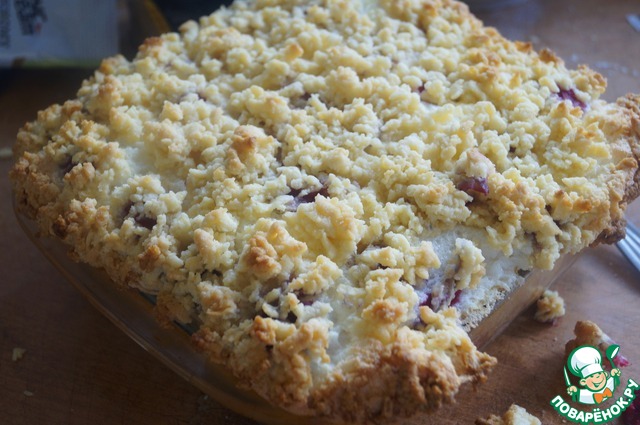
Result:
[
  {"x": 549, "y": 307},
  {"x": 516, "y": 415}
]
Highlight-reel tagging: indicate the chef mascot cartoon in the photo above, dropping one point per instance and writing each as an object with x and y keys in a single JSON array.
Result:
[{"x": 585, "y": 362}]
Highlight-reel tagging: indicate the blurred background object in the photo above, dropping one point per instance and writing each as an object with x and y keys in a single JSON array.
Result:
[
  {"x": 137, "y": 20},
  {"x": 57, "y": 32},
  {"x": 485, "y": 5},
  {"x": 634, "y": 21},
  {"x": 178, "y": 12}
]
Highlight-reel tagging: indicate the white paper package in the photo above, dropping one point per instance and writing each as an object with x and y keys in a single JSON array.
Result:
[{"x": 57, "y": 32}]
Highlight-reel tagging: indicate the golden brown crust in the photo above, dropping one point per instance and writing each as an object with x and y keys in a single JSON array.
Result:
[
  {"x": 588, "y": 333},
  {"x": 628, "y": 150},
  {"x": 406, "y": 380},
  {"x": 631, "y": 104}
]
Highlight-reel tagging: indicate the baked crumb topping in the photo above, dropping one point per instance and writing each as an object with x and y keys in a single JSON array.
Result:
[
  {"x": 516, "y": 415},
  {"x": 589, "y": 333},
  {"x": 17, "y": 354},
  {"x": 549, "y": 307},
  {"x": 329, "y": 191}
]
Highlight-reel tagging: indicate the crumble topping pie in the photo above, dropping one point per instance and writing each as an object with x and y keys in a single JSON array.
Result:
[{"x": 332, "y": 192}]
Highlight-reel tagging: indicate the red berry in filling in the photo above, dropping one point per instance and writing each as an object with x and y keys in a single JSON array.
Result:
[
  {"x": 474, "y": 185},
  {"x": 570, "y": 95}
]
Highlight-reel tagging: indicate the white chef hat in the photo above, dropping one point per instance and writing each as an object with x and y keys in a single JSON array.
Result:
[{"x": 585, "y": 361}]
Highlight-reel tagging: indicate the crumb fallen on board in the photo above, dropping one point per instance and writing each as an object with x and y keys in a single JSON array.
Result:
[
  {"x": 28, "y": 393},
  {"x": 6, "y": 153},
  {"x": 550, "y": 307},
  {"x": 588, "y": 333},
  {"x": 516, "y": 415},
  {"x": 17, "y": 354}
]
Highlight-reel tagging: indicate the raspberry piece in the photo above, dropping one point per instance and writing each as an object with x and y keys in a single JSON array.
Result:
[
  {"x": 140, "y": 218},
  {"x": 144, "y": 221},
  {"x": 570, "y": 95},
  {"x": 425, "y": 300},
  {"x": 456, "y": 298},
  {"x": 474, "y": 185},
  {"x": 621, "y": 361},
  {"x": 310, "y": 196}
]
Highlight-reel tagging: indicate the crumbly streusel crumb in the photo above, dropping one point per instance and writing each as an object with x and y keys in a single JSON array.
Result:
[
  {"x": 549, "y": 307},
  {"x": 588, "y": 333},
  {"x": 17, "y": 354},
  {"x": 516, "y": 415}
]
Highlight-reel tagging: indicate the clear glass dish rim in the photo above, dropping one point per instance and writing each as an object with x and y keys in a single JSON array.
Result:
[{"x": 132, "y": 312}]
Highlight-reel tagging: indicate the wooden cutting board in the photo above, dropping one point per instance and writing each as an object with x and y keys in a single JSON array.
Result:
[{"x": 80, "y": 369}]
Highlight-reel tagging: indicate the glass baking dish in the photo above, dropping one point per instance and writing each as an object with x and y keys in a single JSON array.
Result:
[{"x": 132, "y": 312}]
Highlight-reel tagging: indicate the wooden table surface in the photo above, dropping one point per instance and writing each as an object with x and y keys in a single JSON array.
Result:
[{"x": 80, "y": 369}]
